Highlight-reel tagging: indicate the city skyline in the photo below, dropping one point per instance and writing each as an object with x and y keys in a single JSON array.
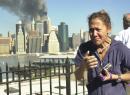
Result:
[{"x": 74, "y": 13}]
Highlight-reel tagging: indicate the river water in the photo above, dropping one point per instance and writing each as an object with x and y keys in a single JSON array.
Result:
[{"x": 12, "y": 60}]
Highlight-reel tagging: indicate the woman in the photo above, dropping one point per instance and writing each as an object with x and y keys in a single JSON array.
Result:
[{"x": 105, "y": 59}]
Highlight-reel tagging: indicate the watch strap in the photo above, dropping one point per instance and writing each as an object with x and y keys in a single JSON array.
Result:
[{"x": 119, "y": 78}]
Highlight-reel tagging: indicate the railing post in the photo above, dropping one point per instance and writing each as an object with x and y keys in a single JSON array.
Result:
[
  {"x": 50, "y": 77},
  {"x": 30, "y": 78},
  {"x": 45, "y": 70},
  {"x": 19, "y": 79},
  {"x": 63, "y": 68},
  {"x": 59, "y": 77},
  {"x": 13, "y": 77},
  {"x": 68, "y": 88},
  {"x": 25, "y": 73},
  {"x": 35, "y": 72},
  {"x": 0, "y": 75},
  {"x": 54, "y": 66},
  {"x": 7, "y": 79},
  {"x": 40, "y": 77}
]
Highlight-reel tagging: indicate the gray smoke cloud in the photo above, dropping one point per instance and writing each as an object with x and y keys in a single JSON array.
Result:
[{"x": 25, "y": 9}]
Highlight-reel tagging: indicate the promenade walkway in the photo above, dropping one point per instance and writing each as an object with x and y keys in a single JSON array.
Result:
[{"x": 45, "y": 86}]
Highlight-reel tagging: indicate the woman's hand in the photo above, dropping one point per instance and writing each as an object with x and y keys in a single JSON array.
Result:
[
  {"x": 90, "y": 61},
  {"x": 105, "y": 75}
]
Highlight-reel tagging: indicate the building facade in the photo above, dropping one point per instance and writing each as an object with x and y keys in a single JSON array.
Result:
[
  {"x": 53, "y": 43},
  {"x": 20, "y": 39},
  {"x": 4, "y": 45},
  {"x": 63, "y": 37}
]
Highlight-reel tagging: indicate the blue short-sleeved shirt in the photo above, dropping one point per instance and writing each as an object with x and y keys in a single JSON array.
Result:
[{"x": 118, "y": 56}]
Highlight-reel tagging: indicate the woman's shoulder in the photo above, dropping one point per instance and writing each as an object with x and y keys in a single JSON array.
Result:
[{"x": 118, "y": 45}]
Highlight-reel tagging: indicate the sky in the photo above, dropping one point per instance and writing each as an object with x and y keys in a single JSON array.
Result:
[{"x": 74, "y": 13}]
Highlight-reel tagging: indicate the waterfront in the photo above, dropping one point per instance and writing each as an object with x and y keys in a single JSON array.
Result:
[
  {"x": 55, "y": 80},
  {"x": 12, "y": 60},
  {"x": 24, "y": 60}
]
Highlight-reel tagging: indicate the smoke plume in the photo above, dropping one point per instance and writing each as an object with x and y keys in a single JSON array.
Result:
[{"x": 25, "y": 8}]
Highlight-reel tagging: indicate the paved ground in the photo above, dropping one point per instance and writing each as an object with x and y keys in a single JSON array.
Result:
[{"x": 46, "y": 88}]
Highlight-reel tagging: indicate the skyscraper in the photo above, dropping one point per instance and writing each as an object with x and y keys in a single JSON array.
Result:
[
  {"x": 46, "y": 25},
  {"x": 76, "y": 40},
  {"x": 34, "y": 39},
  {"x": 20, "y": 39},
  {"x": 53, "y": 43},
  {"x": 63, "y": 36}
]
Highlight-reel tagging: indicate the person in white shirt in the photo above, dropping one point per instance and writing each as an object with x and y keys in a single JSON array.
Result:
[{"x": 124, "y": 35}]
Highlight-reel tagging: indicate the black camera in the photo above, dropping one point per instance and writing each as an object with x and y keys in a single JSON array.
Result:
[{"x": 107, "y": 67}]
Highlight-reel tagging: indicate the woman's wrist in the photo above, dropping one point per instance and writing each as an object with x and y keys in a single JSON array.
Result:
[
  {"x": 115, "y": 76},
  {"x": 110, "y": 76}
]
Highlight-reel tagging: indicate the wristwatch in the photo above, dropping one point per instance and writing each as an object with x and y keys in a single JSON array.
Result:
[{"x": 119, "y": 78}]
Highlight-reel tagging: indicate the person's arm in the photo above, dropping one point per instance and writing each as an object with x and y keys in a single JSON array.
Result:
[
  {"x": 79, "y": 72},
  {"x": 123, "y": 77},
  {"x": 126, "y": 62},
  {"x": 88, "y": 62},
  {"x": 125, "y": 58}
]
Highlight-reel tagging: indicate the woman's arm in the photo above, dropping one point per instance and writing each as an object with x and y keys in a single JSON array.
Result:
[
  {"x": 79, "y": 72},
  {"x": 123, "y": 77}
]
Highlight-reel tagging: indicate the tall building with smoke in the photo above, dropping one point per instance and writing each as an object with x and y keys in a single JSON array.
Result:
[
  {"x": 39, "y": 28},
  {"x": 33, "y": 40},
  {"x": 63, "y": 36},
  {"x": 44, "y": 27},
  {"x": 26, "y": 9},
  {"x": 34, "y": 44}
]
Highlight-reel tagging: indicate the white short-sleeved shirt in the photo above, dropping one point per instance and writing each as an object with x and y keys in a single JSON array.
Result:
[{"x": 124, "y": 36}]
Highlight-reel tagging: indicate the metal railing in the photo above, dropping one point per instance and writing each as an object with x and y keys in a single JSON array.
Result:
[{"x": 41, "y": 79}]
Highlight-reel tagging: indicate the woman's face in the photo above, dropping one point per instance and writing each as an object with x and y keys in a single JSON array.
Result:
[{"x": 98, "y": 31}]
